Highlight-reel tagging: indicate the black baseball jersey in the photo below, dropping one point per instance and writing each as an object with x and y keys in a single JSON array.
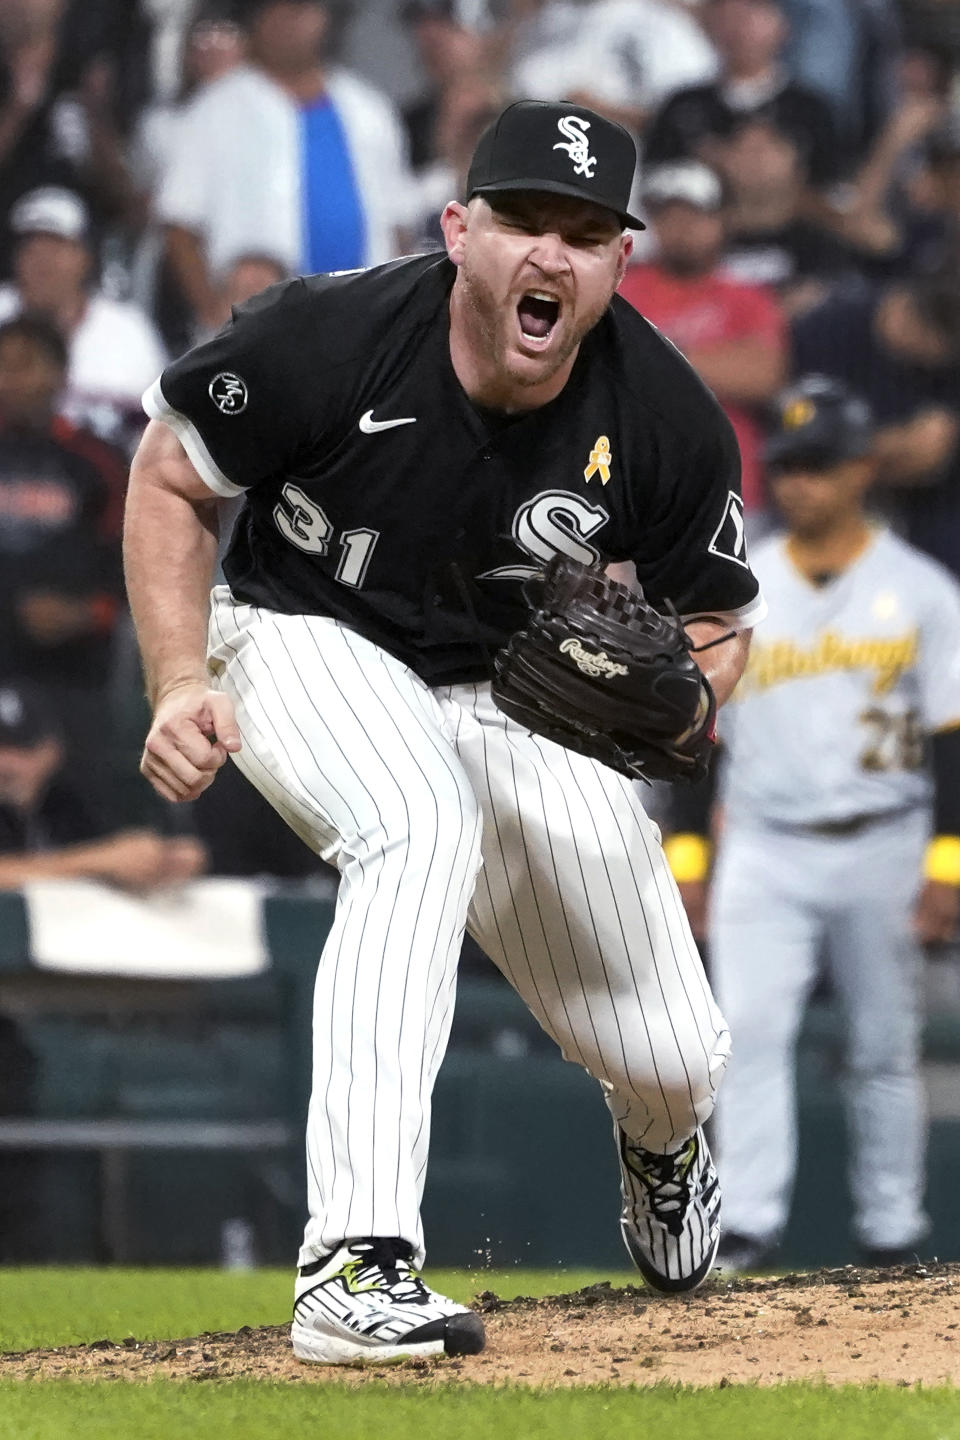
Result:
[{"x": 378, "y": 494}]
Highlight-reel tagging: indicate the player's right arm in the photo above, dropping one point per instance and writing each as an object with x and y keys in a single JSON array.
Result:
[
  {"x": 169, "y": 550},
  {"x": 233, "y": 413}
]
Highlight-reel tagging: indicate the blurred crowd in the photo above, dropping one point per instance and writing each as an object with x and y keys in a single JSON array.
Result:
[{"x": 163, "y": 160}]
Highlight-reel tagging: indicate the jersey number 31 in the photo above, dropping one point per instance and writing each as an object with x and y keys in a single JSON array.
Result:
[{"x": 305, "y": 525}]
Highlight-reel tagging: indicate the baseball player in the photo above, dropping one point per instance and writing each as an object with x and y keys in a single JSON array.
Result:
[
  {"x": 842, "y": 734},
  {"x": 413, "y": 443}
]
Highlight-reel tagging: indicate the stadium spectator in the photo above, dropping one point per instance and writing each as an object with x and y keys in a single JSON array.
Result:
[
  {"x": 213, "y": 45},
  {"x": 209, "y": 47},
  {"x": 749, "y": 36},
  {"x": 899, "y": 347},
  {"x": 452, "y": 42},
  {"x": 114, "y": 350},
  {"x": 36, "y": 144},
  {"x": 849, "y": 51},
  {"x": 58, "y": 104},
  {"x": 734, "y": 335},
  {"x": 61, "y": 498},
  {"x": 888, "y": 208},
  {"x": 47, "y": 828},
  {"x": 885, "y": 207},
  {"x": 770, "y": 239},
  {"x": 933, "y": 232},
  {"x": 287, "y": 155},
  {"x": 459, "y": 55},
  {"x": 620, "y": 57}
]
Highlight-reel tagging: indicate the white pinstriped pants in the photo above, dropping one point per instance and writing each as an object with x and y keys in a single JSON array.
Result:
[{"x": 441, "y": 812}]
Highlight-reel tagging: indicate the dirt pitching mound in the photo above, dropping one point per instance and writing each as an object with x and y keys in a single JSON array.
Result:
[{"x": 899, "y": 1326}]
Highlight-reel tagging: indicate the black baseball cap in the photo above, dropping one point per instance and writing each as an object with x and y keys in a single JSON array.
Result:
[
  {"x": 560, "y": 148},
  {"x": 819, "y": 422},
  {"x": 25, "y": 718}
]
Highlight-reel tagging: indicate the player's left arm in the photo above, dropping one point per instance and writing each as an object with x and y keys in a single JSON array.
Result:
[
  {"x": 725, "y": 658},
  {"x": 721, "y": 651},
  {"x": 937, "y": 910},
  {"x": 692, "y": 550}
]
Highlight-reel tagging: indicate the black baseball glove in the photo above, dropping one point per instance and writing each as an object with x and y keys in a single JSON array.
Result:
[{"x": 600, "y": 671}]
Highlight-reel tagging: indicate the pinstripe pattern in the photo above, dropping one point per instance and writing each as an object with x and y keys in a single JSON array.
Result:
[
  {"x": 577, "y": 906},
  {"x": 327, "y": 713},
  {"x": 398, "y": 785}
]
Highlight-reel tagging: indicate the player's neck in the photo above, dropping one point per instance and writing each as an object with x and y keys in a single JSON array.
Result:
[{"x": 832, "y": 551}]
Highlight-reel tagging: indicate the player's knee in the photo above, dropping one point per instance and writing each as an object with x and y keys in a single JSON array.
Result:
[
  {"x": 682, "y": 1090},
  {"x": 434, "y": 823},
  {"x": 689, "y": 1096}
]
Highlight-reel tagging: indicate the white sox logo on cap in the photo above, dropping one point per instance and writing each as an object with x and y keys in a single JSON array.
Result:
[
  {"x": 594, "y": 159},
  {"x": 576, "y": 144}
]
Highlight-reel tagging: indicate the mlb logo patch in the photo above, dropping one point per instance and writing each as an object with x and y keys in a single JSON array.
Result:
[{"x": 729, "y": 540}]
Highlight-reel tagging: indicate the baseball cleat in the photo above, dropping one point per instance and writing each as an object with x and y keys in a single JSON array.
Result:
[
  {"x": 365, "y": 1302},
  {"x": 671, "y": 1213}
]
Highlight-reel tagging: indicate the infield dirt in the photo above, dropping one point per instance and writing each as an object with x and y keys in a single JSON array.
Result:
[{"x": 846, "y": 1326}]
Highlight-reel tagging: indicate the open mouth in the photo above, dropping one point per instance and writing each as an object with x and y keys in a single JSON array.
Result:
[{"x": 538, "y": 314}]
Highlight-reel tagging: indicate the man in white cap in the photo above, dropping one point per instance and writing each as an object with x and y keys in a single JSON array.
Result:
[{"x": 114, "y": 349}]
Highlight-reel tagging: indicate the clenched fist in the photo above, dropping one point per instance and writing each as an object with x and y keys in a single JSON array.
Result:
[{"x": 193, "y": 731}]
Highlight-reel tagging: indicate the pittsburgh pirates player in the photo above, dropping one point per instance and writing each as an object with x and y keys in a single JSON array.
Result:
[
  {"x": 826, "y": 798},
  {"x": 413, "y": 442}
]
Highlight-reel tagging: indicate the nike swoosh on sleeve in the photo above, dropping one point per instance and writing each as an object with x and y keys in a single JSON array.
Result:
[{"x": 369, "y": 426}]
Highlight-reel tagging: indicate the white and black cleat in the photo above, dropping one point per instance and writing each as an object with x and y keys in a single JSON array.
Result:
[
  {"x": 366, "y": 1302},
  {"x": 671, "y": 1213}
]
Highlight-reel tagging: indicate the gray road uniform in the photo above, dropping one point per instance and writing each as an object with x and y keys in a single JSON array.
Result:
[{"x": 826, "y": 801}]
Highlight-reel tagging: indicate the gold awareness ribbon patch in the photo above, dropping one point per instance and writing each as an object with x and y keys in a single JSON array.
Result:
[{"x": 600, "y": 458}]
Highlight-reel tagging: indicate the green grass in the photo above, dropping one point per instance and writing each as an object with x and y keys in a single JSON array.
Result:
[
  {"x": 166, "y": 1410},
  {"x": 43, "y": 1307}
]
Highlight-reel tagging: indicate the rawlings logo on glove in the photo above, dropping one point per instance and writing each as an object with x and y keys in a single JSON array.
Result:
[
  {"x": 600, "y": 671},
  {"x": 590, "y": 664}
]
